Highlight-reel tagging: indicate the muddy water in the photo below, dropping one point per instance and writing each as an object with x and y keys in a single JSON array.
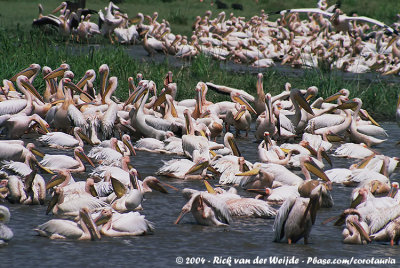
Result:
[{"x": 244, "y": 239}]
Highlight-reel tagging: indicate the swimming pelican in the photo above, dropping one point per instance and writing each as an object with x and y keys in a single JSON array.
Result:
[
  {"x": 65, "y": 229},
  {"x": 17, "y": 152},
  {"x": 61, "y": 140},
  {"x": 127, "y": 224},
  {"x": 296, "y": 217},
  {"x": 58, "y": 162},
  {"x": 357, "y": 132},
  {"x": 6, "y": 234}
]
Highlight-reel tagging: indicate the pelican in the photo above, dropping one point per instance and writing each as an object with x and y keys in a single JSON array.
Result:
[
  {"x": 184, "y": 168},
  {"x": 190, "y": 142},
  {"x": 30, "y": 190},
  {"x": 391, "y": 232},
  {"x": 296, "y": 217},
  {"x": 125, "y": 145},
  {"x": 58, "y": 162},
  {"x": 107, "y": 155},
  {"x": 17, "y": 125},
  {"x": 21, "y": 106},
  {"x": 65, "y": 229},
  {"x": 17, "y": 152},
  {"x": 139, "y": 119},
  {"x": 61, "y": 140},
  {"x": 67, "y": 206},
  {"x": 356, "y": 231},
  {"x": 127, "y": 198},
  {"x": 353, "y": 150},
  {"x": 127, "y": 224},
  {"x": 6, "y": 234},
  {"x": 357, "y": 132},
  {"x": 207, "y": 209}
]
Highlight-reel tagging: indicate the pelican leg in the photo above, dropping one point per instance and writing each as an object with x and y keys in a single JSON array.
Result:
[
  {"x": 289, "y": 241},
  {"x": 392, "y": 242}
]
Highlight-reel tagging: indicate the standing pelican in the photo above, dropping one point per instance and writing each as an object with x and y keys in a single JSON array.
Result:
[{"x": 296, "y": 217}]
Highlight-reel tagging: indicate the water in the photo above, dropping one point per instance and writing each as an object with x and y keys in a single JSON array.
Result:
[{"x": 244, "y": 238}]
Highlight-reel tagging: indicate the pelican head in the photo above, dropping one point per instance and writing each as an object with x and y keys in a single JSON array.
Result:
[
  {"x": 78, "y": 151},
  {"x": 310, "y": 165},
  {"x": 126, "y": 139},
  {"x": 157, "y": 185},
  {"x": 29, "y": 72},
  {"x": 296, "y": 96},
  {"x": 238, "y": 98},
  {"x": 230, "y": 142},
  {"x": 24, "y": 82},
  {"x": 104, "y": 217},
  {"x": 58, "y": 72},
  {"x": 61, "y": 177},
  {"x": 88, "y": 221}
]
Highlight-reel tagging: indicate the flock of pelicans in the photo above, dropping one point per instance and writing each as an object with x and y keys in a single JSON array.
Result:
[
  {"x": 327, "y": 38},
  {"x": 107, "y": 202}
]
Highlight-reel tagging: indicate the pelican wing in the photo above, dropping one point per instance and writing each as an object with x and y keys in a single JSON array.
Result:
[
  {"x": 77, "y": 117},
  {"x": 219, "y": 207},
  {"x": 175, "y": 168},
  {"x": 282, "y": 193},
  {"x": 16, "y": 167},
  {"x": 59, "y": 139},
  {"x": 132, "y": 223},
  {"x": 157, "y": 123},
  {"x": 73, "y": 205},
  {"x": 108, "y": 120},
  {"x": 372, "y": 130},
  {"x": 12, "y": 106},
  {"x": 64, "y": 228},
  {"x": 281, "y": 218},
  {"x": 250, "y": 207},
  {"x": 188, "y": 193},
  {"x": 59, "y": 162}
]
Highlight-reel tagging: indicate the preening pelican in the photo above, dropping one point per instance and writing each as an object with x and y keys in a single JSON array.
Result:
[
  {"x": 356, "y": 231},
  {"x": 296, "y": 217},
  {"x": 126, "y": 224},
  {"x": 6, "y": 234},
  {"x": 207, "y": 209},
  {"x": 58, "y": 162},
  {"x": 66, "y": 229}
]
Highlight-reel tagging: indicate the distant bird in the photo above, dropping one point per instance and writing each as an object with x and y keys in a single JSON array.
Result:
[
  {"x": 221, "y": 5},
  {"x": 237, "y": 6}
]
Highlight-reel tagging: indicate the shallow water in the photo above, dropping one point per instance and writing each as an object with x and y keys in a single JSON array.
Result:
[{"x": 244, "y": 238}]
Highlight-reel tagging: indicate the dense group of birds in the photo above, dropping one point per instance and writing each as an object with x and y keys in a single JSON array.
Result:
[
  {"x": 327, "y": 38},
  {"x": 296, "y": 130}
]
